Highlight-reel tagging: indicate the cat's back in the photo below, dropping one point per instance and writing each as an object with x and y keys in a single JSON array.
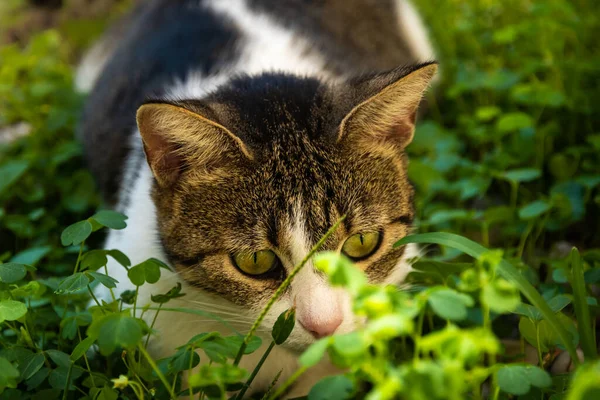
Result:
[{"x": 185, "y": 48}]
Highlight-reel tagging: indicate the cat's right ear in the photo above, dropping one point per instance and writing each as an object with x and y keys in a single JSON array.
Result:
[
  {"x": 176, "y": 138},
  {"x": 385, "y": 108}
]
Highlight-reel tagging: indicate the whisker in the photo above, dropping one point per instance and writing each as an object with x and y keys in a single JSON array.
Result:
[
  {"x": 211, "y": 308},
  {"x": 211, "y": 304}
]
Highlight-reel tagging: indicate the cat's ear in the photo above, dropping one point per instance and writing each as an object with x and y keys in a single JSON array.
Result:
[
  {"x": 387, "y": 108},
  {"x": 176, "y": 138}
]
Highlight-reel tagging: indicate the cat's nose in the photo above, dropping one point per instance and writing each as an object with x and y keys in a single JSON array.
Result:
[
  {"x": 321, "y": 327},
  {"x": 319, "y": 307}
]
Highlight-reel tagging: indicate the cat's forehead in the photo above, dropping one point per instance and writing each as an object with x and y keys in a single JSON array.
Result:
[
  {"x": 269, "y": 107},
  {"x": 294, "y": 191}
]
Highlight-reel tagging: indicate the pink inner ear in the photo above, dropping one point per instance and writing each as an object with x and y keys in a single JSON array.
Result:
[
  {"x": 402, "y": 130},
  {"x": 163, "y": 158}
]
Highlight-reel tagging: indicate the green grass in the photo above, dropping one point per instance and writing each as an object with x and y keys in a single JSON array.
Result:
[{"x": 506, "y": 159}]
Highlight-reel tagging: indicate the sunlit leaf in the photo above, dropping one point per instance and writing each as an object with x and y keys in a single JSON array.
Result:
[
  {"x": 487, "y": 113},
  {"x": 349, "y": 346},
  {"x": 450, "y": 304},
  {"x": 11, "y": 310},
  {"x": 505, "y": 269},
  {"x": 9, "y": 375},
  {"x": 501, "y": 296},
  {"x": 340, "y": 270},
  {"x": 513, "y": 121},
  {"x": 314, "y": 353}
]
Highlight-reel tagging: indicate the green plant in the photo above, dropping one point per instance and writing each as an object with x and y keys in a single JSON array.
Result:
[{"x": 390, "y": 355}]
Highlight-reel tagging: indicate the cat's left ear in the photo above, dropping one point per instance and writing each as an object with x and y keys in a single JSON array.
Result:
[
  {"x": 387, "y": 108},
  {"x": 187, "y": 137}
]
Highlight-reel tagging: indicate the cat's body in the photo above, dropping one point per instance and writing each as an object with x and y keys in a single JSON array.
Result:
[{"x": 252, "y": 161}]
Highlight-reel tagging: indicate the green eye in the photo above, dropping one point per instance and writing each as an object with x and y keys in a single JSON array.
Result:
[
  {"x": 361, "y": 245},
  {"x": 256, "y": 263}
]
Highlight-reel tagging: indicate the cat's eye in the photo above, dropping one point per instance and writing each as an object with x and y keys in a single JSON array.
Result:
[
  {"x": 257, "y": 263},
  {"x": 361, "y": 245}
]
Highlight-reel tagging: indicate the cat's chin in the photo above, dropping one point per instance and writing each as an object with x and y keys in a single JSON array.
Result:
[{"x": 296, "y": 347}]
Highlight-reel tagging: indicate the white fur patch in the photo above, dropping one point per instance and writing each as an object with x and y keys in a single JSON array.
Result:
[
  {"x": 265, "y": 47},
  {"x": 269, "y": 46},
  {"x": 398, "y": 274},
  {"x": 197, "y": 86},
  {"x": 414, "y": 31},
  {"x": 91, "y": 66},
  {"x": 299, "y": 237},
  {"x": 139, "y": 240}
]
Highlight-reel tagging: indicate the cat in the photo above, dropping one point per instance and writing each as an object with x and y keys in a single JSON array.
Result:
[{"x": 234, "y": 133}]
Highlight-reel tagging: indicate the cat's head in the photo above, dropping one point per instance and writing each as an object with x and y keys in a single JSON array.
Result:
[{"x": 250, "y": 177}]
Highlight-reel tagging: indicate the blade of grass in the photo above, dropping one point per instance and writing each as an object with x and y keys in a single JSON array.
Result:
[
  {"x": 242, "y": 392},
  {"x": 157, "y": 371},
  {"x": 281, "y": 389},
  {"x": 582, "y": 311},
  {"x": 505, "y": 269},
  {"x": 68, "y": 384}
]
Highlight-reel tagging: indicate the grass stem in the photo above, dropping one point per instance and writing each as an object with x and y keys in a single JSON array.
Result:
[
  {"x": 157, "y": 370},
  {"x": 152, "y": 325},
  {"x": 582, "y": 311},
  {"x": 95, "y": 299},
  {"x": 281, "y": 389},
  {"x": 240, "y": 395}
]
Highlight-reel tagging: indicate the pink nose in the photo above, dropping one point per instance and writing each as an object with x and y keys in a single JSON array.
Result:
[{"x": 321, "y": 327}]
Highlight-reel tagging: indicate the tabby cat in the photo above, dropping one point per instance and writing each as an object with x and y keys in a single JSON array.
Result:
[{"x": 234, "y": 133}]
